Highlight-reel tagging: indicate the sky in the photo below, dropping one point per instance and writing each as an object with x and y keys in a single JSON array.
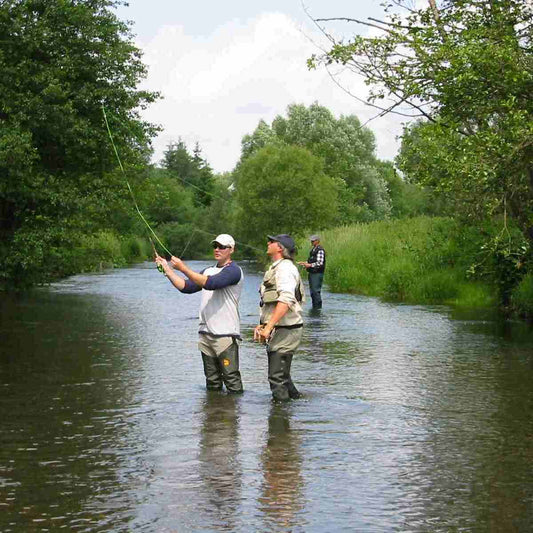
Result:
[{"x": 222, "y": 66}]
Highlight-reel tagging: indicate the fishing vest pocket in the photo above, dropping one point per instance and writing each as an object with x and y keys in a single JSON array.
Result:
[{"x": 269, "y": 294}]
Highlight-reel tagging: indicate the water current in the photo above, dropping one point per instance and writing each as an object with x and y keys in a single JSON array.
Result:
[{"x": 413, "y": 418}]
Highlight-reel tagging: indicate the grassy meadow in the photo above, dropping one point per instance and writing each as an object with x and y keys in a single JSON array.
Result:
[{"x": 417, "y": 260}]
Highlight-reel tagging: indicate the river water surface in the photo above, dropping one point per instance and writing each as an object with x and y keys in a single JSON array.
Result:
[{"x": 413, "y": 418}]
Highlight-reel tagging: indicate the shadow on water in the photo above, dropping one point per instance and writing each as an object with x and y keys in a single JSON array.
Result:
[
  {"x": 281, "y": 500},
  {"x": 413, "y": 418},
  {"x": 219, "y": 459},
  {"x": 65, "y": 397}
]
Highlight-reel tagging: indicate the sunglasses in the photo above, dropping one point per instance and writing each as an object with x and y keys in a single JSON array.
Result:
[{"x": 217, "y": 246}]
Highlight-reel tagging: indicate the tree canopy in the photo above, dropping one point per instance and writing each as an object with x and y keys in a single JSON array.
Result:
[
  {"x": 346, "y": 148},
  {"x": 61, "y": 62},
  {"x": 191, "y": 169},
  {"x": 464, "y": 67},
  {"x": 464, "y": 70},
  {"x": 283, "y": 189}
]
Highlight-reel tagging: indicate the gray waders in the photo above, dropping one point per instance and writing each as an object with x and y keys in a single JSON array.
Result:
[
  {"x": 223, "y": 369},
  {"x": 279, "y": 376}
]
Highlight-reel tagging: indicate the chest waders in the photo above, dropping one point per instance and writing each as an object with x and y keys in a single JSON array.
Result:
[
  {"x": 223, "y": 369},
  {"x": 316, "y": 277},
  {"x": 283, "y": 342}
]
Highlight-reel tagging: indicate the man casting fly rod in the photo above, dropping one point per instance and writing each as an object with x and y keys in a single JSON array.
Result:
[{"x": 219, "y": 330}]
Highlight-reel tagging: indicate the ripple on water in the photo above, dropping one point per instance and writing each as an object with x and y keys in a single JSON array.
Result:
[{"x": 412, "y": 418}]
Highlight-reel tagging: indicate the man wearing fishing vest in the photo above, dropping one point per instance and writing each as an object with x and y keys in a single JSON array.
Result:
[
  {"x": 219, "y": 330},
  {"x": 315, "y": 266},
  {"x": 280, "y": 326}
]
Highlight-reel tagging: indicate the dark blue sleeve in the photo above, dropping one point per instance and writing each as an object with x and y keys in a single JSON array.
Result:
[
  {"x": 190, "y": 286},
  {"x": 229, "y": 275}
]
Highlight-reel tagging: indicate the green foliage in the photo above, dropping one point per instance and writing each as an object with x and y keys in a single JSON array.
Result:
[
  {"x": 419, "y": 260},
  {"x": 179, "y": 220},
  {"x": 408, "y": 199},
  {"x": 283, "y": 190},
  {"x": 221, "y": 215},
  {"x": 163, "y": 199},
  {"x": 464, "y": 68},
  {"x": 134, "y": 248},
  {"x": 102, "y": 249},
  {"x": 344, "y": 145},
  {"x": 60, "y": 62},
  {"x": 522, "y": 297},
  {"x": 192, "y": 170},
  {"x": 501, "y": 257},
  {"x": 185, "y": 240}
]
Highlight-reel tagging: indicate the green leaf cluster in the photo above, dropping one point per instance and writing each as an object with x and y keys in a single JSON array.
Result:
[
  {"x": 346, "y": 148},
  {"x": 192, "y": 170},
  {"x": 283, "y": 189},
  {"x": 61, "y": 62}
]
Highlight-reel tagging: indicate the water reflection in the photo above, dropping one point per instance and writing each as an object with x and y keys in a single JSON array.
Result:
[
  {"x": 62, "y": 373},
  {"x": 219, "y": 459},
  {"x": 281, "y": 461},
  {"x": 413, "y": 419}
]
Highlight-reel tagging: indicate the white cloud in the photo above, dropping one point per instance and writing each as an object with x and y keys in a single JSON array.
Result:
[{"x": 217, "y": 88}]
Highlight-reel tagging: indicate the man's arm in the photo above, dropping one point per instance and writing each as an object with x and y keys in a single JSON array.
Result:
[
  {"x": 286, "y": 285},
  {"x": 196, "y": 277},
  {"x": 176, "y": 280},
  {"x": 231, "y": 274},
  {"x": 319, "y": 260},
  {"x": 180, "y": 283},
  {"x": 262, "y": 333}
]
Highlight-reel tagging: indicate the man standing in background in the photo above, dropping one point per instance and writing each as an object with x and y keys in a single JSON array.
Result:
[{"x": 315, "y": 266}]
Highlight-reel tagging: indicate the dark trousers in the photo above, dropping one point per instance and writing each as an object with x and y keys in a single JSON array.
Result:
[
  {"x": 279, "y": 376},
  {"x": 223, "y": 369},
  {"x": 315, "y": 287}
]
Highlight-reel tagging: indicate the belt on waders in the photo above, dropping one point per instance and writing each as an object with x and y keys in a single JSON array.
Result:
[{"x": 294, "y": 326}]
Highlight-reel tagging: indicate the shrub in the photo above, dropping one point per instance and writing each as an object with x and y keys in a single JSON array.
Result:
[{"x": 522, "y": 296}]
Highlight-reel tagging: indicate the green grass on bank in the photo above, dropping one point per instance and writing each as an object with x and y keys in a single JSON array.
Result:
[
  {"x": 106, "y": 249},
  {"x": 418, "y": 260},
  {"x": 522, "y": 297}
]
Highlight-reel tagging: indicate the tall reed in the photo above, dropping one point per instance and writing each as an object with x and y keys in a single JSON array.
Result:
[{"x": 416, "y": 260}]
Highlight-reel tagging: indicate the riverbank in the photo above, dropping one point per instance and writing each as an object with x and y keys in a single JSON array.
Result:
[{"x": 418, "y": 260}]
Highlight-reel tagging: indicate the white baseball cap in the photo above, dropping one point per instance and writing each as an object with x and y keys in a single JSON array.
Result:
[{"x": 225, "y": 240}]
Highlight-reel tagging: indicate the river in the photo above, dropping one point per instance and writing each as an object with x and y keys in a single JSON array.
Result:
[{"x": 413, "y": 418}]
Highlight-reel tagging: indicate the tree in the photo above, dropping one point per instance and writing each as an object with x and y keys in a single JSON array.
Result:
[
  {"x": 61, "y": 62},
  {"x": 193, "y": 170},
  {"x": 178, "y": 160},
  {"x": 465, "y": 68},
  {"x": 283, "y": 190},
  {"x": 346, "y": 148}
]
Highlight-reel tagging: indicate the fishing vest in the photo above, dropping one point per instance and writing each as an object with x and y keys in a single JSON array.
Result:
[
  {"x": 269, "y": 289},
  {"x": 313, "y": 254}
]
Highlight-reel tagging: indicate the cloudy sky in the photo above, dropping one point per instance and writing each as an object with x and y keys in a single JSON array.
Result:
[{"x": 223, "y": 66}]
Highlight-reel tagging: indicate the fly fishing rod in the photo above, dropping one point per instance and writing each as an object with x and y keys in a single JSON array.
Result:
[
  {"x": 152, "y": 232},
  {"x": 159, "y": 267}
]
